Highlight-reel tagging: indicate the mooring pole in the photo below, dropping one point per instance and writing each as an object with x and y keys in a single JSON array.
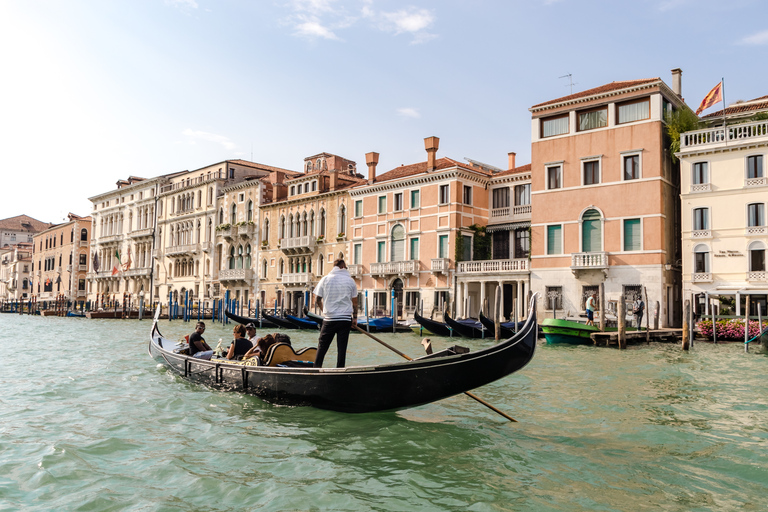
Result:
[
  {"x": 686, "y": 331},
  {"x": 622, "y": 323},
  {"x": 497, "y": 313}
]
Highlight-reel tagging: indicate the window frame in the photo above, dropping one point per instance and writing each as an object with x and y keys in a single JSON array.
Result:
[
  {"x": 544, "y": 120},
  {"x": 759, "y": 211},
  {"x": 631, "y": 154},
  {"x": 440, "y": 238},
  {"x": 559, "y": 167},
  {"x": 380, "y": 210},
  {"x": 560, "y": 239},
  {"x": 447, "y": 199},
  {"x": 694, "y": 172},
  {"x": 633, "y": 102},
  {"x": 747, "y": 160},
  {"x": 417, "y": 193},
  {"x": 590, "y": 161},
  {"x": 694, "y": 218},
  {"x": 589, "y": 111},
  {"x": 624, "y": 234},
  {"x": 358, "y": 211},
  {"x": 397, "y": 202},
  {"x": 466, "y": 195}
]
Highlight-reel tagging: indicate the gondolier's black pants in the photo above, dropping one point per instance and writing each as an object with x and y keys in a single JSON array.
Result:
[{"x": 327, "y": 332}]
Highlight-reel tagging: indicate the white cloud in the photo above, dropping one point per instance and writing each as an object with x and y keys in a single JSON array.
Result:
[
  {"x": 409, "y": 112},
  {"x": 182, "y": 4},
  {"x": 313, "y": 29},
  {"x": 195, "y": 135},
  {"x": 411, "y": 21},
  {"x": 756, "y": 39}
]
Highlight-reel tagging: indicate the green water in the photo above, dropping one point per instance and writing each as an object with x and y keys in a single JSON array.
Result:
[{"x": 89, "y": 421}]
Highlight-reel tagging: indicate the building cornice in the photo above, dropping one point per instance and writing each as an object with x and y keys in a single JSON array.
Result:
[{"x": 420, "y": 179}]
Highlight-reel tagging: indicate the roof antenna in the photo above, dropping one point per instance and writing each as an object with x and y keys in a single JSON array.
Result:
[{"x": 569, "y": 76}]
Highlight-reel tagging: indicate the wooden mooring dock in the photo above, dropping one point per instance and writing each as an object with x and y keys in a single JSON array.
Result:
[{"x": 605, "y": 339}]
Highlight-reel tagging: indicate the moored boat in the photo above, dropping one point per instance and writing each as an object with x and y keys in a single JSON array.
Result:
[
  {"x": 258, "y": 322},
  {"x": 567, "y": 331},
  {"x": 468, "y": 328},
  {"x": 358, "y": 389},
  {"x": 303, "y": 323},
  {"x": 279, "y": 321},
  {"x": 436, "y": 328},
  {"x": 374, "y": 325}
]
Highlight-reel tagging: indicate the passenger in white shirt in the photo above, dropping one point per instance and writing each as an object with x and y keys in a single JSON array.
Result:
[{"x": 336, "y": 294}]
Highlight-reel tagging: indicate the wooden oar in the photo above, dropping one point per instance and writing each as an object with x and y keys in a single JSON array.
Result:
[{"x": 470, "y": 395}]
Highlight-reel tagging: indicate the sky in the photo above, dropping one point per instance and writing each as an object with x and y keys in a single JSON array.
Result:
[{"x": 94, "y": 91}]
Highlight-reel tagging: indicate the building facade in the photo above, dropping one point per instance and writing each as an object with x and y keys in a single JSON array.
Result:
[
  {"x": 604, "y": 198},
  {"x": 16, "y": 272},
  {"x": 724, "y": 200},
  {"x": 20, "y": 229},
  {"x": 60, "y": 260}
]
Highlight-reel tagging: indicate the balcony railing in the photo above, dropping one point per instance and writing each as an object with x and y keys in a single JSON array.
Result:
[
  {"x": 440, "y": 264},
  {"x": 69, "y": 268},
  {"x": 701, "y": 277},
  {"x": 356, "y": 271},
  {"x": 756, "y": 182},
  {"x": 395, "y": 268},
  {"x": 228, "y": 233},
  {"x": 84, "y": 243},
  {"x": 177, "y": 250},
  {"x": 246, "y": 230},
  {"x": 82, "y": 268},
  {"x": 81, "y": 293},
  {"x": 492, "y": 266},
  {"x": 138, "y": 233},
  {"x": 701, "y": 187},
  {"x": 756, "y": 230},
  {"x": 511, "y": 213},
  {"x": 701, "y": 233},
  {"x": 756, "y": 275},
  {"x": 589, "y": 261},
  {"x": 299, "y": 244},
  {"x": 720, "y": 135},
  {"x": 297, "y": 278},
  {"x": 110, "y": 238},
  {"x": 236, "y": 274},
  {"x": 136, "y": 272}
]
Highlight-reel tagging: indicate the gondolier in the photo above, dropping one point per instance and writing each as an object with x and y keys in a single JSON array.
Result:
[{"x": 336, "y": 295}]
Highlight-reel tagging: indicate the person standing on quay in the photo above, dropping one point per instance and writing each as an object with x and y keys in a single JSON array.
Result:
[
  {"x": 336, "y": 295},
  {"x": 638, "y": 308},
  {"x": 591, "y": 309}
]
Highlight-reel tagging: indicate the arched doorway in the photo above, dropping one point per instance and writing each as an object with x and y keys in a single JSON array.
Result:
[{"x": 397, "y": 287}]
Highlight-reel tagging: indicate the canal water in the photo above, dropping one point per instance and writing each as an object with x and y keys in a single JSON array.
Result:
[{"x": 90, "y": 422}]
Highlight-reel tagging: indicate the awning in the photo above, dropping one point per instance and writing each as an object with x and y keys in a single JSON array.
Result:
[{"x": 509, "y": 226}]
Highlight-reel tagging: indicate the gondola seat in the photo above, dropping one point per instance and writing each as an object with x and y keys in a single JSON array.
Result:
[{"x": 282, "y": 352}]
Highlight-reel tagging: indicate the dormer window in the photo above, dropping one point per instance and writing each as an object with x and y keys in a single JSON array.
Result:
[
  {"x": 591, "y": 119},
  {"x": 633, "y": 111},
  {"x": 309, "y": 166},
  {"x": 554, "y": 126}
]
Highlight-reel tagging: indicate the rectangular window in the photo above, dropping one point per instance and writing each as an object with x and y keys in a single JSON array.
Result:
[
  {"x": 554, "y": 126},
  {"x": 501, "y": 197},
  {"x": 593, "y": 119},
  {"x": 412, "y": 301},
  {"x": 757, "y": 260},
  {"x": 522, "y": 243},
  {"x": 632, "y": 238},
  {"x": 500, "y": 240},
  {"x": 755, "y": 166},
  {"x": 314, "y": 186},
  {"x": 632, "y": 167},
  {"x": 591, "y": 172},
  {"x": 293, "y": 190},
  {"x": 382, "y": 204},
  {"x": 523, "y": 194},
  {"x": 756, "y": 214},
  {"x": 359, "y": 208},
  {"x": 700, "y": 219},
  {"x": 554, "y": 298},
  {"x": 381, "y": 252},
  {"x": 700, "y": 173},
  {"x": 701, "y": 262},
  {"x": 466, "y": 248},
  {"x": 415, "y": 199},
  {"x": 357, "y": 256},
  {"x": 633, "y": 111},
  {"x": 414, "y": 248},
  {"x": 554, "y": 177},
  {"x": 444, "y": 197},
  {"x": 81, "y": 284},
  {"x": 442, "y": 247},
  {"x": 467, "y": 194},
  {"x": 398, "y": 201},
  {"x": 554, "y": 242}
]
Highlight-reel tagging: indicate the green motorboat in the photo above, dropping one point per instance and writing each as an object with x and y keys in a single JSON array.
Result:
[{"x": 567, "y": 331}]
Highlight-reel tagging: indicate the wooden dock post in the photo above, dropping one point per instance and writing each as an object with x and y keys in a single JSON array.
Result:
[
  {"x": 622, "y": 319},
  {"x": 497, "y": 313},
  {"x": 647, "y": 317},
  {"x": 686, "y": 330},
  {"x": 656, "y": 309},
  {"x": 601, "y": 305}
]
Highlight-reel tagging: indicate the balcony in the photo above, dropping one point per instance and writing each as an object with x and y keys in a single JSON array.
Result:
[
  {"x": 298, "y": 245},
  {"x": 229, "y": 233},
  {"x": 81, "y": 294},
  {"x": 492, "y": 266},
  {"x": 356, "y": 271},
  {"x": 581, "y": 261},
  {"x": 180, "y": 250},
  {"x": 110, "y": 238},
  {"x": 756, "y": 230},
  {"x": 395, "y": 268},
  {"x": 298, "y": 278},
  {"x": 756, "y": 182},
  {"x": 246, "y": 230},
  {"x": 236, "y": 274},
  {"x": 701, "y": 187},
  {"x": 99, "y": 275},
  {"x": 511, "y": 214},
  {"x": 758, "y": 276},
  {"x": 84, "y": 243},
  {"x": 137, "y": 272},
  {"x": 701, "y": 233},
  {"x": 714, "y": 137},
  {"x": 82, "y": 268},
  {"x": 140, "y": 233},
  {"x": 701, "y": 277},
  {"x": 69, "y": 268},
  {"x": 440, "y": 265},
  {"x": 206, "y": 246}
]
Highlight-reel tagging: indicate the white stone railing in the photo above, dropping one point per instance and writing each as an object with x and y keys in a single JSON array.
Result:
[
  {"x": 589, "y": 260},
  {"x": 701, "y": 233},
  {"x": 492, "y": 266},
  {"x": 299, "y": 243},
  {"x": 756, "y": 230},
  {"x": 523, "y": 209},
  {"x": 701, "y": 277},
  {"x": 756, "y": 276},
  {"x": 720, "y": 135},
  {"x": 355, "y": 270},
  {"x": 440, "y": 264},
  {"x": 182, "y": 249},
  {"x": 236, "y": 274},
  {"x": 756, "y": 182},
  {"x": 297, "y": 278},
  {"x": 701, "y": 187},
  {"x": 394, "y": 267},
  {"x": 137, "y": 233}
]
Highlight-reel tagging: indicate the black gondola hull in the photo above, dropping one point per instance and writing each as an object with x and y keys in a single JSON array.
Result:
[
  {"x": 465, "y": 330},
  {"x": 260, "y": 323},
  {"x": 363, "y": 388},
  {"x": 436, "y": 328}
]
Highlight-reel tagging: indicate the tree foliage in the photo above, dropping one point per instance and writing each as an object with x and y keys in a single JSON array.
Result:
[{"x": 679, "y": 122}]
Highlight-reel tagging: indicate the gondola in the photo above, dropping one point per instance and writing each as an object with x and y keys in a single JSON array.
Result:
[
  {"x": 359, "y": 389},
  {"x": 506, "y": 329},
  {"x": 467, "y": 328},
  {"x": 74, "y": 314},
  {"x": 279, "y": 321},
  {"x": 377, "y": 325},
  {"x": 303, "y": 323},
  {"x": 436, "y": 328},
  {"x": 258, "y": 322}
]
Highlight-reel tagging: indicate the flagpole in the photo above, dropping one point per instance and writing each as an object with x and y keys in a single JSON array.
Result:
[{"x": 725, "y": 129}]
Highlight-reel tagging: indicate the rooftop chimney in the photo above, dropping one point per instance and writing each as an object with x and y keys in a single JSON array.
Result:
[
  {"x": 371, "y": 160},
  {"x": 431, "y": 144},
  {"x": 511, "y": 155},
  {"x": 334, "y": 174},
  {"x": 677, "y": 81}
]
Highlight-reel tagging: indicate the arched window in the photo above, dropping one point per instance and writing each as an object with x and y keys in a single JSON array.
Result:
[
  {"x": 231, "y": 257},
  {"x": 264, "y": 268},
  {"x": 312, "y": 223},
  {"x": 233, "y": 214},
  {"x": 250, "y": 211},
  {"x": 72, "y": 235},
  {"x": 757, "y": 256},
  {"x": 701, "y": 259},
  {"x": 591, "y": 231},
  {"x": 320, "y": 263},
  {"x": 239, "y": 256},
  {"x": 83, "y": 234},
  {"x": 281, "y": 268},
  {"x": 247, "y": 256},
  {"x": 398, "y": 243},
  {"x": 322, "y": 223},
  {"x": 290, "y": 226},
  {"x": 221, "y": 215},
  {"x": 282, "y": 227},
  {"x": 208, "y": 231},
  {"x": 197, "y": 233},
  {"x": 199, "y": 198},
  {"x": 304, "y": 224},
  {"x": 309, "y": 166},
  {"x": 265, "y": 235},
  {"x": 343, "y": 219}
]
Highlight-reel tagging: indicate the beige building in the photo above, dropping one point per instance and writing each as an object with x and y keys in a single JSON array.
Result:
[
  {"x": 16, "y": 272},
  {"x": 20, "y": 229},
  {"x": 305, "y": 227},
  {"x": 724, "y": 198},
  {"x": 60, "y": 260}
]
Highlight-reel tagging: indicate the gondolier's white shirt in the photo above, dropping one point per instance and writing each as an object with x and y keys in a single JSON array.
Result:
[{"x": 337, "y": 290}]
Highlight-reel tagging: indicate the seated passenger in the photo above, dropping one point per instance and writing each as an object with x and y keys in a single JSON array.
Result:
[
  {"x": 250, "y": 332},
  {"x": 261, "y": 346},
  {"x": 197, "y": 346},
  {"x": 240, "y": 346}
]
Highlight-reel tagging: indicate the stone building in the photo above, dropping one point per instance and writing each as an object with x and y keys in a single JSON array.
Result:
[
  {"x": 16, "y": 271},
  {"x": 20, "y": 229},
  {"x": 60, "y": 260}
]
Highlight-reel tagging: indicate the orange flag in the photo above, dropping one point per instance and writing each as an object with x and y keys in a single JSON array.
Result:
[{"x": 715, "y": 95}]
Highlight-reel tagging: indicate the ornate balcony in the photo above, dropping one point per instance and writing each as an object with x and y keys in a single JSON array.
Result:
[
  {"x": 701, "y": 233},
  {"x": 84, "y": 243},
  {"x": 69, "y": 268},
  {"x": 699, "y": 139},
  {"x": 180, "y": 250},
  {"x": 756, "y": 182},
  {"x": 581, "y": 261},
  {"x": 246, "y": 230},
  {"x": 440, "y": 265},
  {"x": 236, "y": 274},
  {"x": 228, "y": 233},
  {"x": 141, "y": 233},
  {"x": 356, "y": 271},
  {"x": 82, "y": 268},
  {"x": 511, "y": 214},
  {"x": 701, "y": 277},
  {"x": 758, "y": 276},
  {"x": 137, "y": 272},
  {"x": 298, "y": 245},
  {"x": 110, "y": 238},
  {"x": 395, "y": 268},
  {"x": 701, "y": 187},
  {"x": 297, "y": 278},
  {"x": 492, "y": 266},
  {"x": 756, "y": 230}
]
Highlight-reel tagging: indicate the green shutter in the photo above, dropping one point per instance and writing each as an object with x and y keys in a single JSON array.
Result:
[
  {"x": 590, "y": 231},
  {"x": 632, "y": 235},
  {"x": 554, "y": 244}
]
